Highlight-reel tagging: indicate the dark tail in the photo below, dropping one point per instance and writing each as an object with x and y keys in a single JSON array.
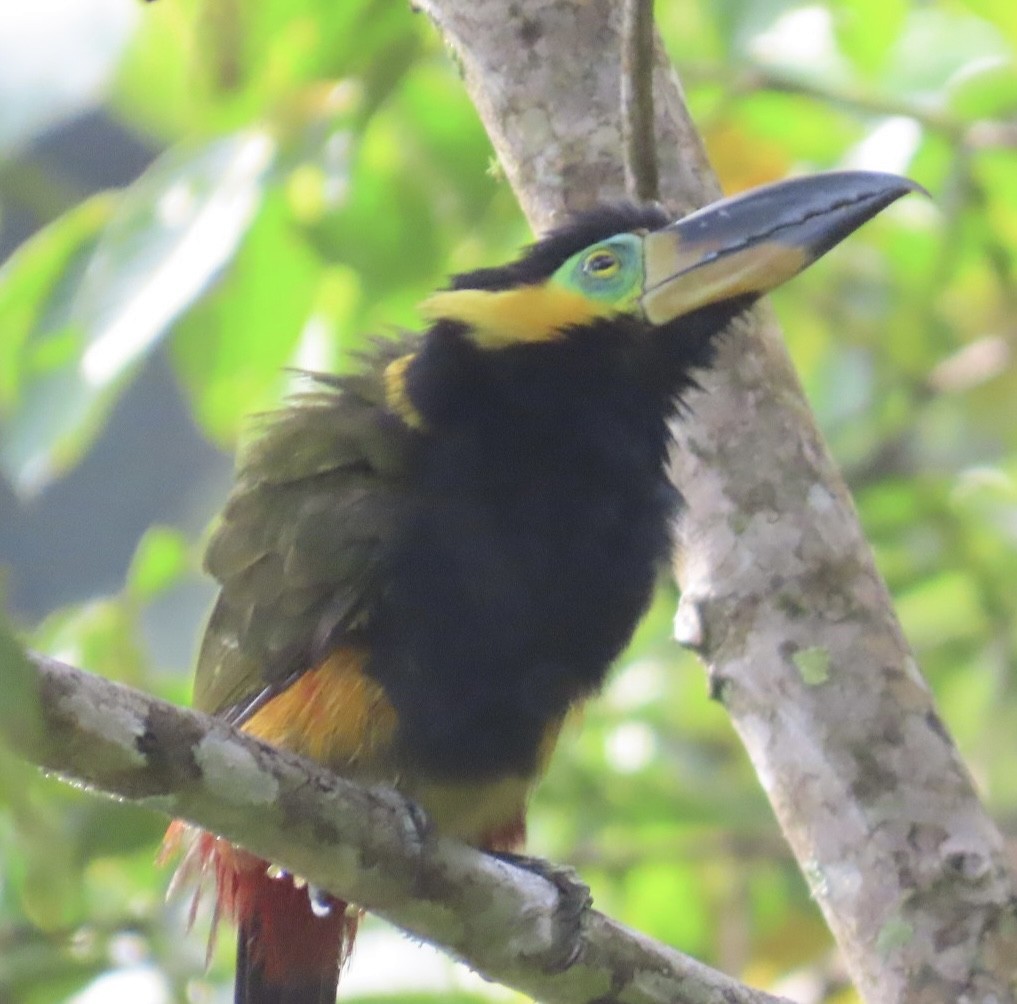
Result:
[
  {"x": 291, "y": 942},
  {"x": 270, "y": 972},
  {"x": 253, "y": 985}
]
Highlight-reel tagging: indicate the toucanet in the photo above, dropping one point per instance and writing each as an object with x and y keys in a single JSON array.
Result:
[{"x": 424, "y": 566}]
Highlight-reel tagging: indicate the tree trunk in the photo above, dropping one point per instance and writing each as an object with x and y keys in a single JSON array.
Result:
[{"x": 780, "y": 594}]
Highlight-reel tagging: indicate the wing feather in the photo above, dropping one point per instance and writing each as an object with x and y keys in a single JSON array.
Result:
[{"x": 301, "y": 545}]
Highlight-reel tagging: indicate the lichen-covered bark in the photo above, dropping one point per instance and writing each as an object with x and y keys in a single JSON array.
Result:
[
  {"x": 545, "y": 78},
  {"x": 780, "y": 593},
  {"x": 370, "y": 846}
]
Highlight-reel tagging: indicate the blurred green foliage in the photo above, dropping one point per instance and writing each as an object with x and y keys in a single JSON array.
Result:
[{"x": 322, "y": 170}]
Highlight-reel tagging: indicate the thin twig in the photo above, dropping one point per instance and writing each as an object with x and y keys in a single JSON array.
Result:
[{"x": 638, "y": 133}]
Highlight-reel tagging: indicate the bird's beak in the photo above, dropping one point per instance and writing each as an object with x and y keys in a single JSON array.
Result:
[{"x": 749, "y": 244}]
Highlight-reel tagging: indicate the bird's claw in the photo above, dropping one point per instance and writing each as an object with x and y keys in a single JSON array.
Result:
[{"x": 573, "y": 900}]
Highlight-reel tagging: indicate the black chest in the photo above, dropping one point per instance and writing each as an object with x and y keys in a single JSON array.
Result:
[{"x": 538, "y": 520}]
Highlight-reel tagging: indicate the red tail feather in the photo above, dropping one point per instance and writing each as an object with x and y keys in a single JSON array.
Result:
[{"x": 291, "y": 945}]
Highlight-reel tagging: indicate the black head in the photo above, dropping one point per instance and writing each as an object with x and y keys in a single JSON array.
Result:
[
  {"x": 623, "y": 287},
  {"x": 627, "y": 261}
]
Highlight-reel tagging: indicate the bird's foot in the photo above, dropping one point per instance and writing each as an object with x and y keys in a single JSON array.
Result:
[{"x": 573, "y": 900}]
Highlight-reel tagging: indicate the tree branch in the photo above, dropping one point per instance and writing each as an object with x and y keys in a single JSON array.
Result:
[
  {"x": 368, "y": 846},
  {"x": 780, "y": 593}
]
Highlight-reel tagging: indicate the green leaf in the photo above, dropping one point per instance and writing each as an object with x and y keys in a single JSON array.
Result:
[
  {"x": 156, "y": 81},
  {"x": 176, "y": 228},
  {"x": 102, "y": 634},
  {"x": 799, "y": 125},
  {"x": 20, "y": 716},
  {"x": 46, "y": 885},
  {"x": 172, "y": 233},
  {"x": 231, "y": 351},
  {"x": 985, "y": 88},
  {"x": 934, "y": 44},
  {"x": 941, "y": 609},
  {"x": 866, "y": 30},
  {"x": 59, "y": 413},
  {"x": 1002, "y": 13},
  {"x": 160, "y": 559},
  {"x": 654, "y": 892},
  {"x": 31, "y": 279}
]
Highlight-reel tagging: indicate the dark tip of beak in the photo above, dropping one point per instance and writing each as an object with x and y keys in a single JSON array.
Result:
[
  {"x": 812, "y": 213},
  {"x": 839, "y": 204},
  {"x": 751, "y": 243}
]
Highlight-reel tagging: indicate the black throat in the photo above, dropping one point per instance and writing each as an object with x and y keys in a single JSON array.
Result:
[{"x": 540, "y": 517}]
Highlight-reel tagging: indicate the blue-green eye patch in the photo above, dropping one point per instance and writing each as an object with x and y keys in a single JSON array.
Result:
[{"x": 609, "y": 272}]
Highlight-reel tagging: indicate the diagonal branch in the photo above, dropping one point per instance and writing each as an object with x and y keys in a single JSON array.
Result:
[
  {"x": 368, "y": 846},
  {"x": 780, "y": 593}
]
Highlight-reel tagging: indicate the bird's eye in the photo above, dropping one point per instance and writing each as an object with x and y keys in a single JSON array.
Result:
[{"x": 601, "y": 264}]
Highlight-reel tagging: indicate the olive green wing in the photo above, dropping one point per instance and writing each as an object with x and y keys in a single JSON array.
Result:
[{"x": 301, "y": 546}]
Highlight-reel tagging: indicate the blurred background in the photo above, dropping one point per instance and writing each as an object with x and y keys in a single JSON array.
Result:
[{"x": 195, "y": 194}]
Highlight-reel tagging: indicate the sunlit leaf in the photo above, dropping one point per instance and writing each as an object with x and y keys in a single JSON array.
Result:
[
  {"x": 985, "y": 88},
  {"x": 936, "y": 43},
  {"x": 176, "y": 227},
  {"x": 941, "y": 609},
  {"x": 154, "y": 81},
  {"x": 159, "y": 561},
  {"x": 1002, "y": 13},
  {"x": 99, "y": 636},
  {"x": 46, "y": 884},
  {"x": 867, "y": 29},
  {"x": 659, "y": 893},
  {"x": 31, "y": 278},
  {"x": 171, "y": 234},
  {"x": 19, "y": 710},
  {"x": 800, "y": 42},
  {"x": 805, "y": 128},
  {"x": 231, "y": 351}
]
